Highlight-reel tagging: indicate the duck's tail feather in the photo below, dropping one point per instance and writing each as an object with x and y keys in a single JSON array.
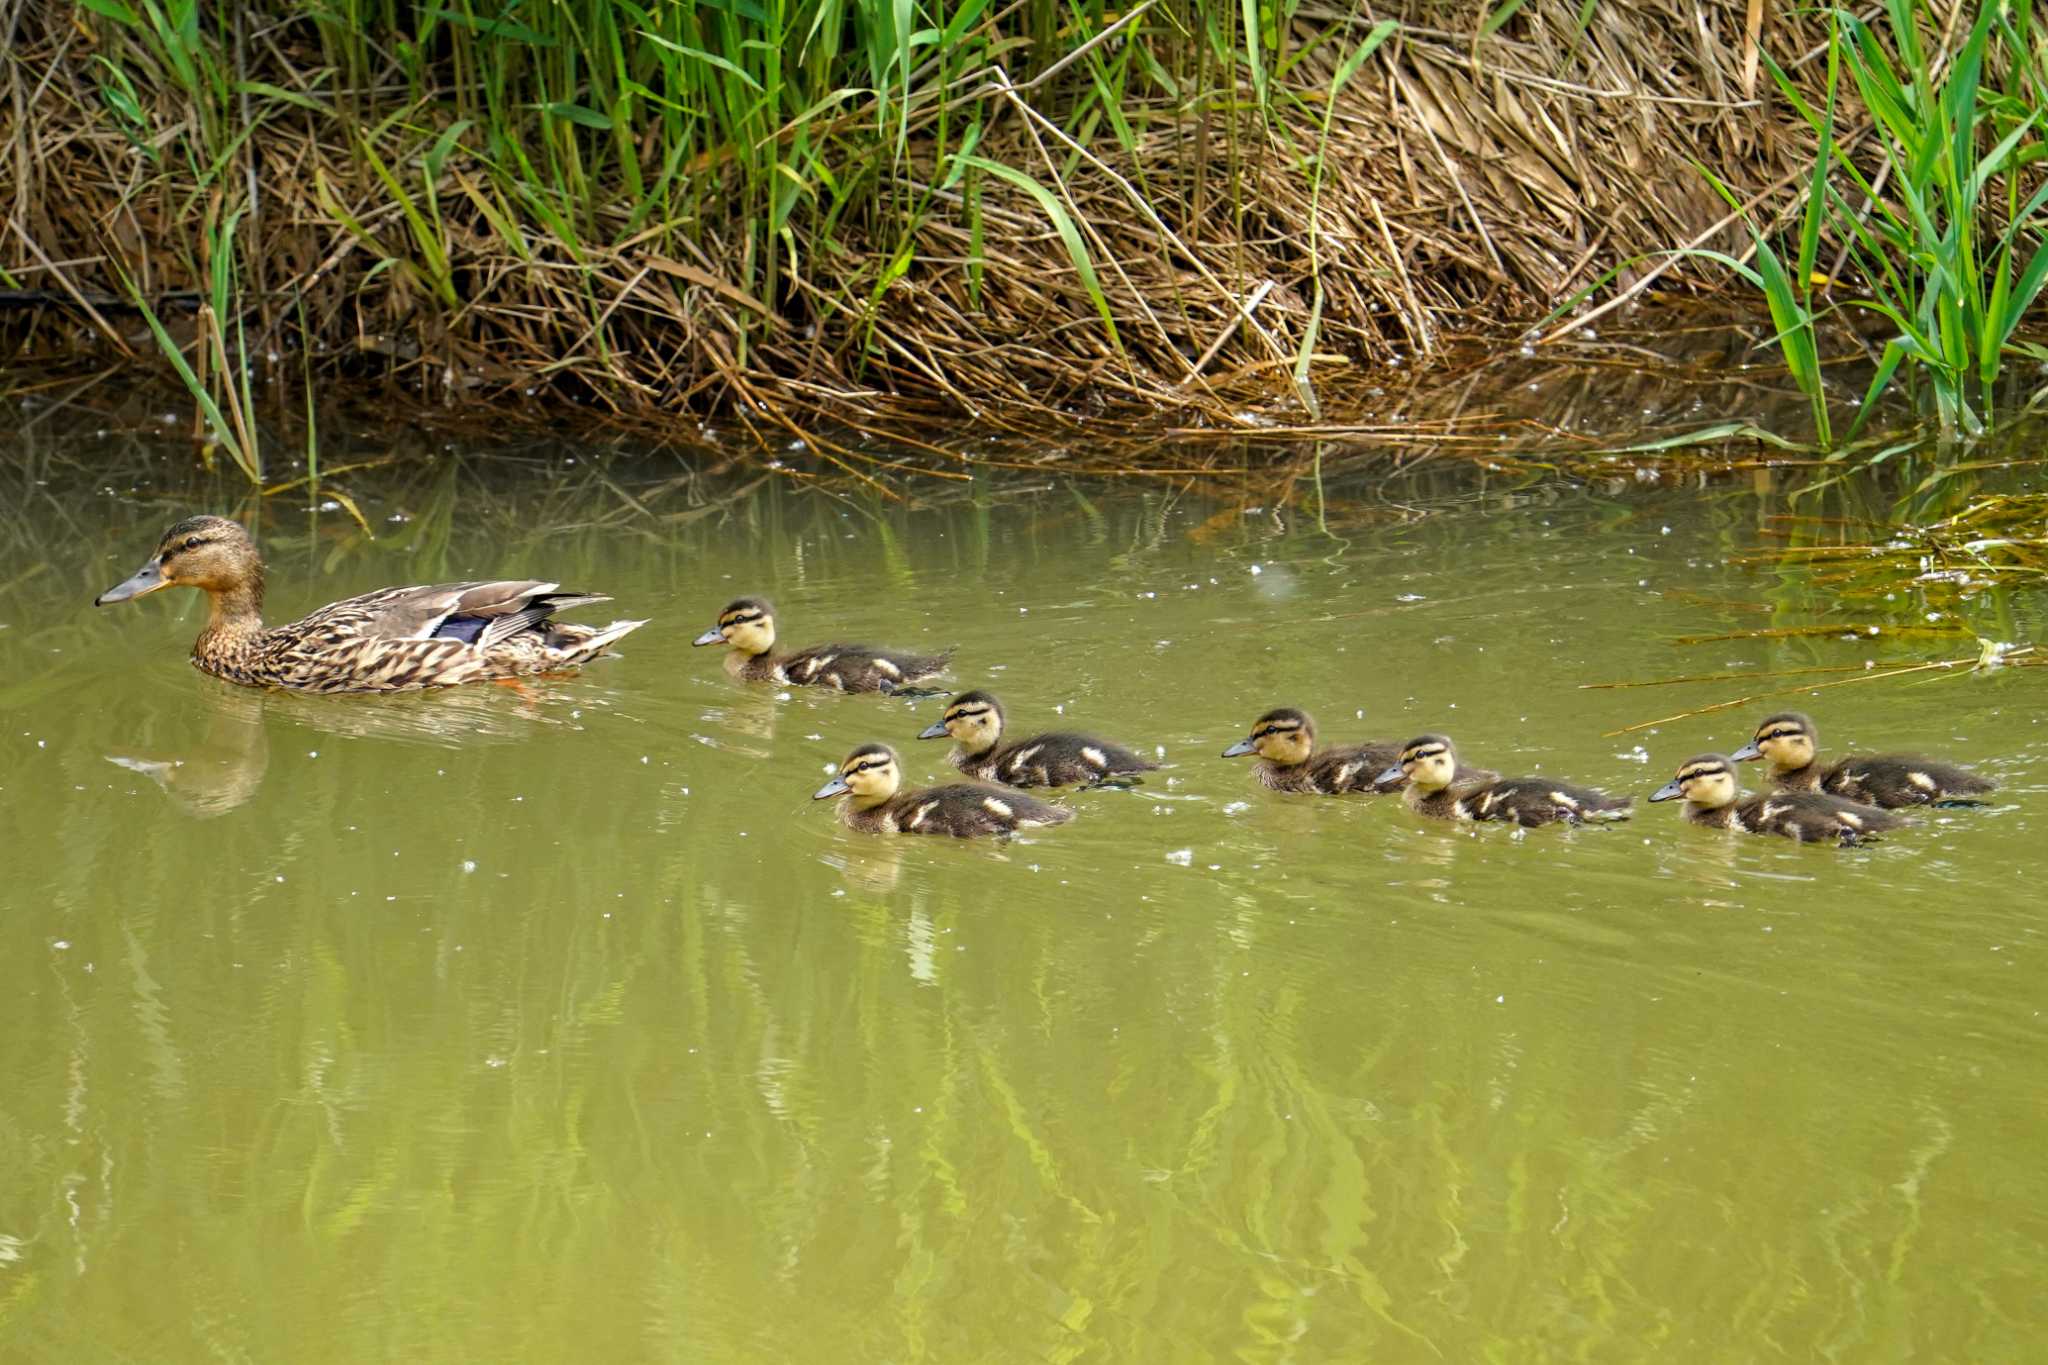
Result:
[{"x": 576, "y": 644}]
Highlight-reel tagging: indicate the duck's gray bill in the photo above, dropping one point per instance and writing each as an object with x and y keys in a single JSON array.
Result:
[
  {"x": 936, "y": 730},
  {"x": 1393, "y": 774},
  {"x": 146, "y": 579},
  {"x": 713, "y": 636},
  {"x": 1239, "y": 749},
  {"x": 1670, "y": 791},
  {"x": 1746, "y": 753},
  {"x": 836, "y": 787}
]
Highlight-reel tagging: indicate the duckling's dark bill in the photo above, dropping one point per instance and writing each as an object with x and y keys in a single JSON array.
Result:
[
  {"x": 1239, "y": 749},
  {"x": 713, "y": 636},
  {"x": 836, "y": 787},
  {"x": 1747, "y": 753},
  {"x": 144, "y": 581},
  {"x": 936, "y": 730},
  {"x": 1670, "y": 791},
  {"x": 1393, "y": 774}
]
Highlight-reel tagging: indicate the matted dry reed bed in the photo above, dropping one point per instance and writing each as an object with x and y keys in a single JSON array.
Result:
[{"x": 657, "y": 208}]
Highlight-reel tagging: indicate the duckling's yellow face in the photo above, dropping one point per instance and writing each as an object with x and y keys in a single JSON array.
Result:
[
  {"x": 1283, "y": 737},
  {"x": 973, "y": 721},
  {"x": 748, "y": 625},
  {"x": 210, "y": 553},
  {"x": 1429, "y": 763},
  {"x": 1785, "y": 743},
  {"x": 869, "y": 774},
  {"x": 1707, "y": 782}
]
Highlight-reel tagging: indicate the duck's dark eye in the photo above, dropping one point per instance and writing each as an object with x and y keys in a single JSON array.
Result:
[{"x": 192, "y": 542}]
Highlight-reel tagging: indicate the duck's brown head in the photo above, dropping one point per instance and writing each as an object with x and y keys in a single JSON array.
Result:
[
  {"x": 869, "y": 774},
  {"x": 748, "y": 625},
  {"x": 1788, "y": 740},
  {"x": 1429, "y": 762},
  {"x": 1707, "y": 782},
  {"x": 209, "y": 553},
  {"x": 1283, "y": 735},
  {"x": 973, "y": 720}
]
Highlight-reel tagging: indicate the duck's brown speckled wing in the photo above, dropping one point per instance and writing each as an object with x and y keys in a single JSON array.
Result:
[
  {"x": 1813, "y": 816},
  {"x": 421, "y": 613},
  {"x": 1530, "y": 801},
  {"x": 1060, "y": 758},
  {"x": 966, "y": 810},
  {"x": 1898, "y": 780},
  {"x": 858, "y": 668},
  {"x": 1352, "y": 768}
]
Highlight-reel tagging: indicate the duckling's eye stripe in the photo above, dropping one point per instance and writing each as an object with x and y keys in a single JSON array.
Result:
[
  {"x": 1780, "y": 734},
  {"x": 748, "y": 619}
]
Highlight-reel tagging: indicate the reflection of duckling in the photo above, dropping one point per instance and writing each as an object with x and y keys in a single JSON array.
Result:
[
  {"x": 393, "y": 640},
  {"x": 1285, "y": 741},
  {"x": 1431, "y": 766},
  {"x": 974, "y": 720},
  {"x": 873, "y": 866},
  {"x": 748, "y": 625},
  {"x": 1714, "y": 798},
  {"x": 1790, "y": 743},
  {"x": 963, "y": 809}
]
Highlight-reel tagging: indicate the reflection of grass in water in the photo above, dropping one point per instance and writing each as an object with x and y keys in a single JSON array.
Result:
[
  {"x": 401, "y": 1171},
  {"x": 1346, "y": 1141}
]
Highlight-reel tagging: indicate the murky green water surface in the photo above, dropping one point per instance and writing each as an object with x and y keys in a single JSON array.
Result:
[{"x": 560, "y": 1024}]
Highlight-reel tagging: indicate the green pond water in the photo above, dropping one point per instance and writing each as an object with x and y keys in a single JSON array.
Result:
[{"x": 560, "y": 1023}]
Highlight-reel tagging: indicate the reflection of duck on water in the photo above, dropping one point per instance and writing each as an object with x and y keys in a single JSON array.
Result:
[
  {"x": 874, "y": 866},
  {"x": 224, "y": 768}
]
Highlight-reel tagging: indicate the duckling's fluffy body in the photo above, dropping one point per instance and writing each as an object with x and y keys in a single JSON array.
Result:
[
  {"x": 1789, "y": 744},
  {"x": 1713, "y": 798},
  {"x": 1284, "y": 741},
  {"x": 392, "y": 640},
  {"x": 974, "y": 721},
  {"x": 870, "y": 780},
  {"x": 1430, "y": 765},
  {"x": 748, "y": 626}
]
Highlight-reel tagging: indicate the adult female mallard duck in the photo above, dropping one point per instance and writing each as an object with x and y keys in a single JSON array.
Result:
[
  {"x": 1789, "y": 742},
  {"x": 1430, "y": 763},
  {"x": 1714, "y": 798},
  {"x": 870, "y": 779},
  {"x": 395, "y": 640},
  {"x": 1284, "y": 740},
  {"x": 748, "y": 625},
  {"x": 974, "y": 721}
]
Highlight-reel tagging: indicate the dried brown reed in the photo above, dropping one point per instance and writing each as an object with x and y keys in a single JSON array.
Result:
[{"x": 1467, "y": 184}]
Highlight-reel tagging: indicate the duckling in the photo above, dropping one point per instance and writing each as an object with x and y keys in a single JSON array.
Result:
[
  {"x": 962, "y": 809},
  {"x": 1714, "y": 798},
  {"x": 748, "y": 625},
  {"x": 1430, "y": 765},
  {"x": 974, "y": 720},
  {"x": 1285, "y": 741},
  {"x": 1789, "y": 741},
  {"x": 392, "y": 640}
]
